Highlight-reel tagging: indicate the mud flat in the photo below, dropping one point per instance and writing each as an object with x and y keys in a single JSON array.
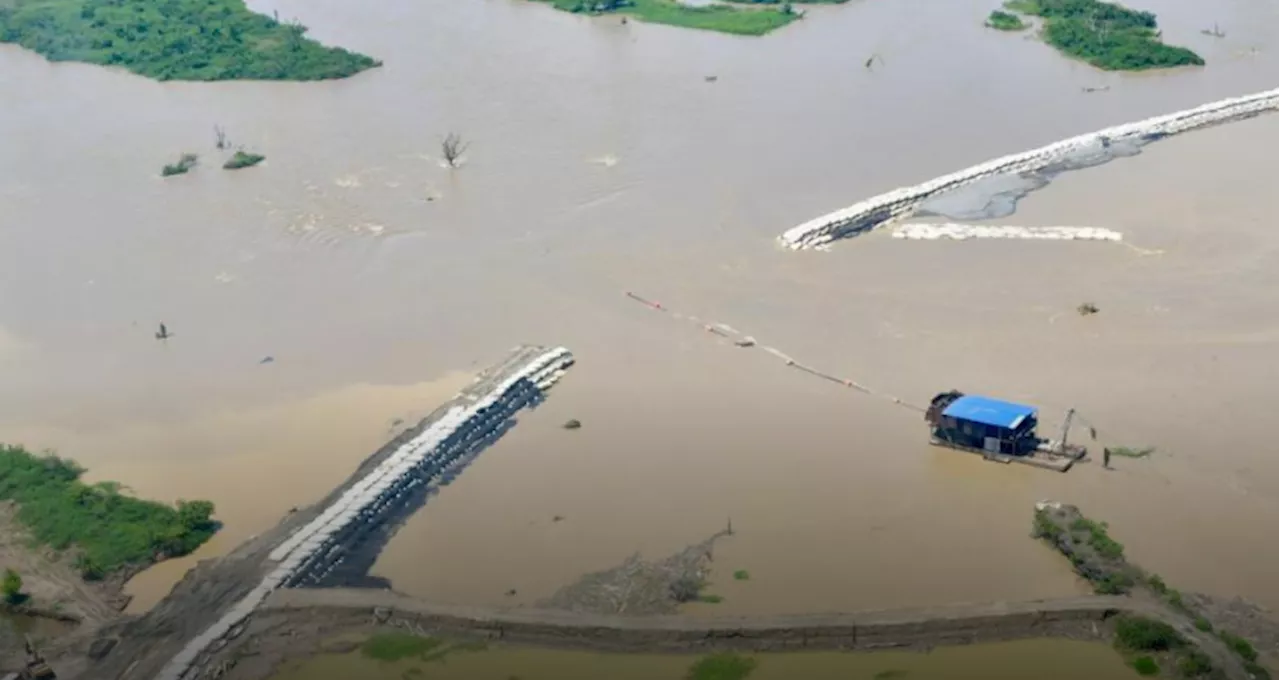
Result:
[
  {"x": 209, "y": 607},
  {"x": 1087, "y": 149}
]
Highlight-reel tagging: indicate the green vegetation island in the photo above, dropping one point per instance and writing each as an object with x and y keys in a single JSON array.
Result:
[
  {"x": 737, "y": 19},
  {"x": 1106, "y": 35},
  {"x": 1004, "y": 21},
  {"x": 201, "y": 40},
  {"x": 109, "y": 533}
]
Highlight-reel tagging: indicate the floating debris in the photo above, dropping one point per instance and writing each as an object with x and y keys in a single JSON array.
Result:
[{"x": 572, "y": 424}]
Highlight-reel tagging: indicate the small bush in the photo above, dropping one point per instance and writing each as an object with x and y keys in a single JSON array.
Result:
[
  {"x": 1195, "y": 664},
  {"x": 710, "y": 599},
  {"x": 741, "y": 575},
  {"x": 1239, "y": 645},
  {"x": 1203, "y": 625},
  {"x": 1139, "y": 634},
  {"x": 185, "y": 163},
  {"x": 1146, "y": 665},
  {"x": 396, "y": 645},
  {"x": 12, "y": 587},
  {"x": 1004, "y": 21},
  {"x": 1157, "y": 584},
  {"x": 726, "y": 666},
  {"x": 243, "y": 159}
]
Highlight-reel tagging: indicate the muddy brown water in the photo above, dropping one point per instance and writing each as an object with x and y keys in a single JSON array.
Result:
[
  {"x": 1041, "y": 659},
  {"x": 602, "y": 161}
]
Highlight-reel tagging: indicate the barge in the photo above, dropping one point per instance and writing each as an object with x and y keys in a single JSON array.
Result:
[{"x": 999, "y": 431}]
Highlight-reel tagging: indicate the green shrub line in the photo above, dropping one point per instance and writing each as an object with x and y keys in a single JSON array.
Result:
[
  {"x": 1106, "y": 35},
  {"x": 175, "y": 39},
  {"x": 1137, "y": 637},
  {"x": 110, "y": 530}
]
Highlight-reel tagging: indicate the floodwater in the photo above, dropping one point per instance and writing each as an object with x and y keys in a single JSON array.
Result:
[
  {"x": 601, "y": 161},
  {"x": 1040, "y": 659}
]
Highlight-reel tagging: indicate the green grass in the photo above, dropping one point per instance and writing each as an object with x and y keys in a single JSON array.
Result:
[
  {"x": 243, "y": 159},
  {"x": 726, "y": 666},
  {"x": 741, "y": 575},
  {"x": 1195, "y": 664},
  {"x": 111, "y": 530},
  {"x": 175, "y": 39},
  {"x": 710, "y": 599},
  {"x": 721, "y": 18},
  {"x": 1146, "y": 665},
  {"x": 1105, "y": 35},
  {"x": 394, "y": 646},
  {"x": 1004, "y": 21},
  {"x": 185, "y": 163},
  {"x": 1203, "y": 625}
]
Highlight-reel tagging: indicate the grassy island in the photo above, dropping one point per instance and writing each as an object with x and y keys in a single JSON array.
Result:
[
  {"x": 1004, "y": 21},
  {"x": 110, "y": 531},
  {"x": 175, "y": 39},
  {"x": 1105, "y": 35},
  {"x": 738, "y": 19}
]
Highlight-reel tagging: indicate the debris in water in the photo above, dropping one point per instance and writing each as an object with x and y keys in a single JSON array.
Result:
[
  {"x": 711, "y": 79},
  {"x": 163, "y": 333},
  {"x": 558, "y": 518},
  {"x": 267, "y": 360},
  {"x": 572, "y": 424},
  {"x": 1087, "y": 309}
]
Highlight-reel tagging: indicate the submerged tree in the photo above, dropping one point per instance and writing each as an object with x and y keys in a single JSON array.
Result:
[
  {"x": 452, "y": 148},
  {"x": 220, "y": 136}
]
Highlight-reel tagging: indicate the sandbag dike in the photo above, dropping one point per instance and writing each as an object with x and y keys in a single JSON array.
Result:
[
  {"x": 209, "y": 608},
  {"x": 877, "y": 211}
]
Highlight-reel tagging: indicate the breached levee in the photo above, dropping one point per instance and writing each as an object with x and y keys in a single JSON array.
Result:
[
  {"x": 901, "y": 203},
  {"x": 451, "y": 440},
  {"x": 962, "y": 232}
]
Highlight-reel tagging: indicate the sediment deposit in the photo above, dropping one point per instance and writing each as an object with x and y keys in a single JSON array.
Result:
[{"x": 901, "y": 203}]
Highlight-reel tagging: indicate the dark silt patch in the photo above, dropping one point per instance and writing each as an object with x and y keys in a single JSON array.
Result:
[{"x": 998, "y": 195}]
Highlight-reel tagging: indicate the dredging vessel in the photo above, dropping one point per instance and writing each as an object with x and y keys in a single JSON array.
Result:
[{"x": 999, "y": 431}]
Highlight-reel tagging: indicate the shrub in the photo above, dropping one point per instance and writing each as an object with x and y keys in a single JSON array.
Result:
[
  {"x": 1140, "y": 634},
  {"x": 1195, "y": 664},
  {"x": 1146, "y": 665},
  {"x": 11, "y": 588},
  {"x": 1240, "y": 646},
  {"x": 243, "y": 159},
  {"x": 741, "y": 575},
  {"x": 185, "y": 163},
  {"x": 1005, "y": 21},
  {"x": 1203, "y": 625}
]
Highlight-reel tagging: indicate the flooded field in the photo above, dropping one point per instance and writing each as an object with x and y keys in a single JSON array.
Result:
[
  {"x": 1041, "y": 659},
  {"x": 603, "y": 161}
]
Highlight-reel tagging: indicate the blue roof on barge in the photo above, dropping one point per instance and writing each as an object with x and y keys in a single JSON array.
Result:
[{"x": 989, "y": 411}]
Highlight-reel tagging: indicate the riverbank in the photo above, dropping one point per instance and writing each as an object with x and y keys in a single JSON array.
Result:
[{"x": 186, "y": 40}]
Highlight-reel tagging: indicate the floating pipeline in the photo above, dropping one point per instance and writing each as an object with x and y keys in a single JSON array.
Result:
[
  {"x": 961, "y": 232},
  {"x": 900, "y": 203},
  {"x": 316, "y": 551}
]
